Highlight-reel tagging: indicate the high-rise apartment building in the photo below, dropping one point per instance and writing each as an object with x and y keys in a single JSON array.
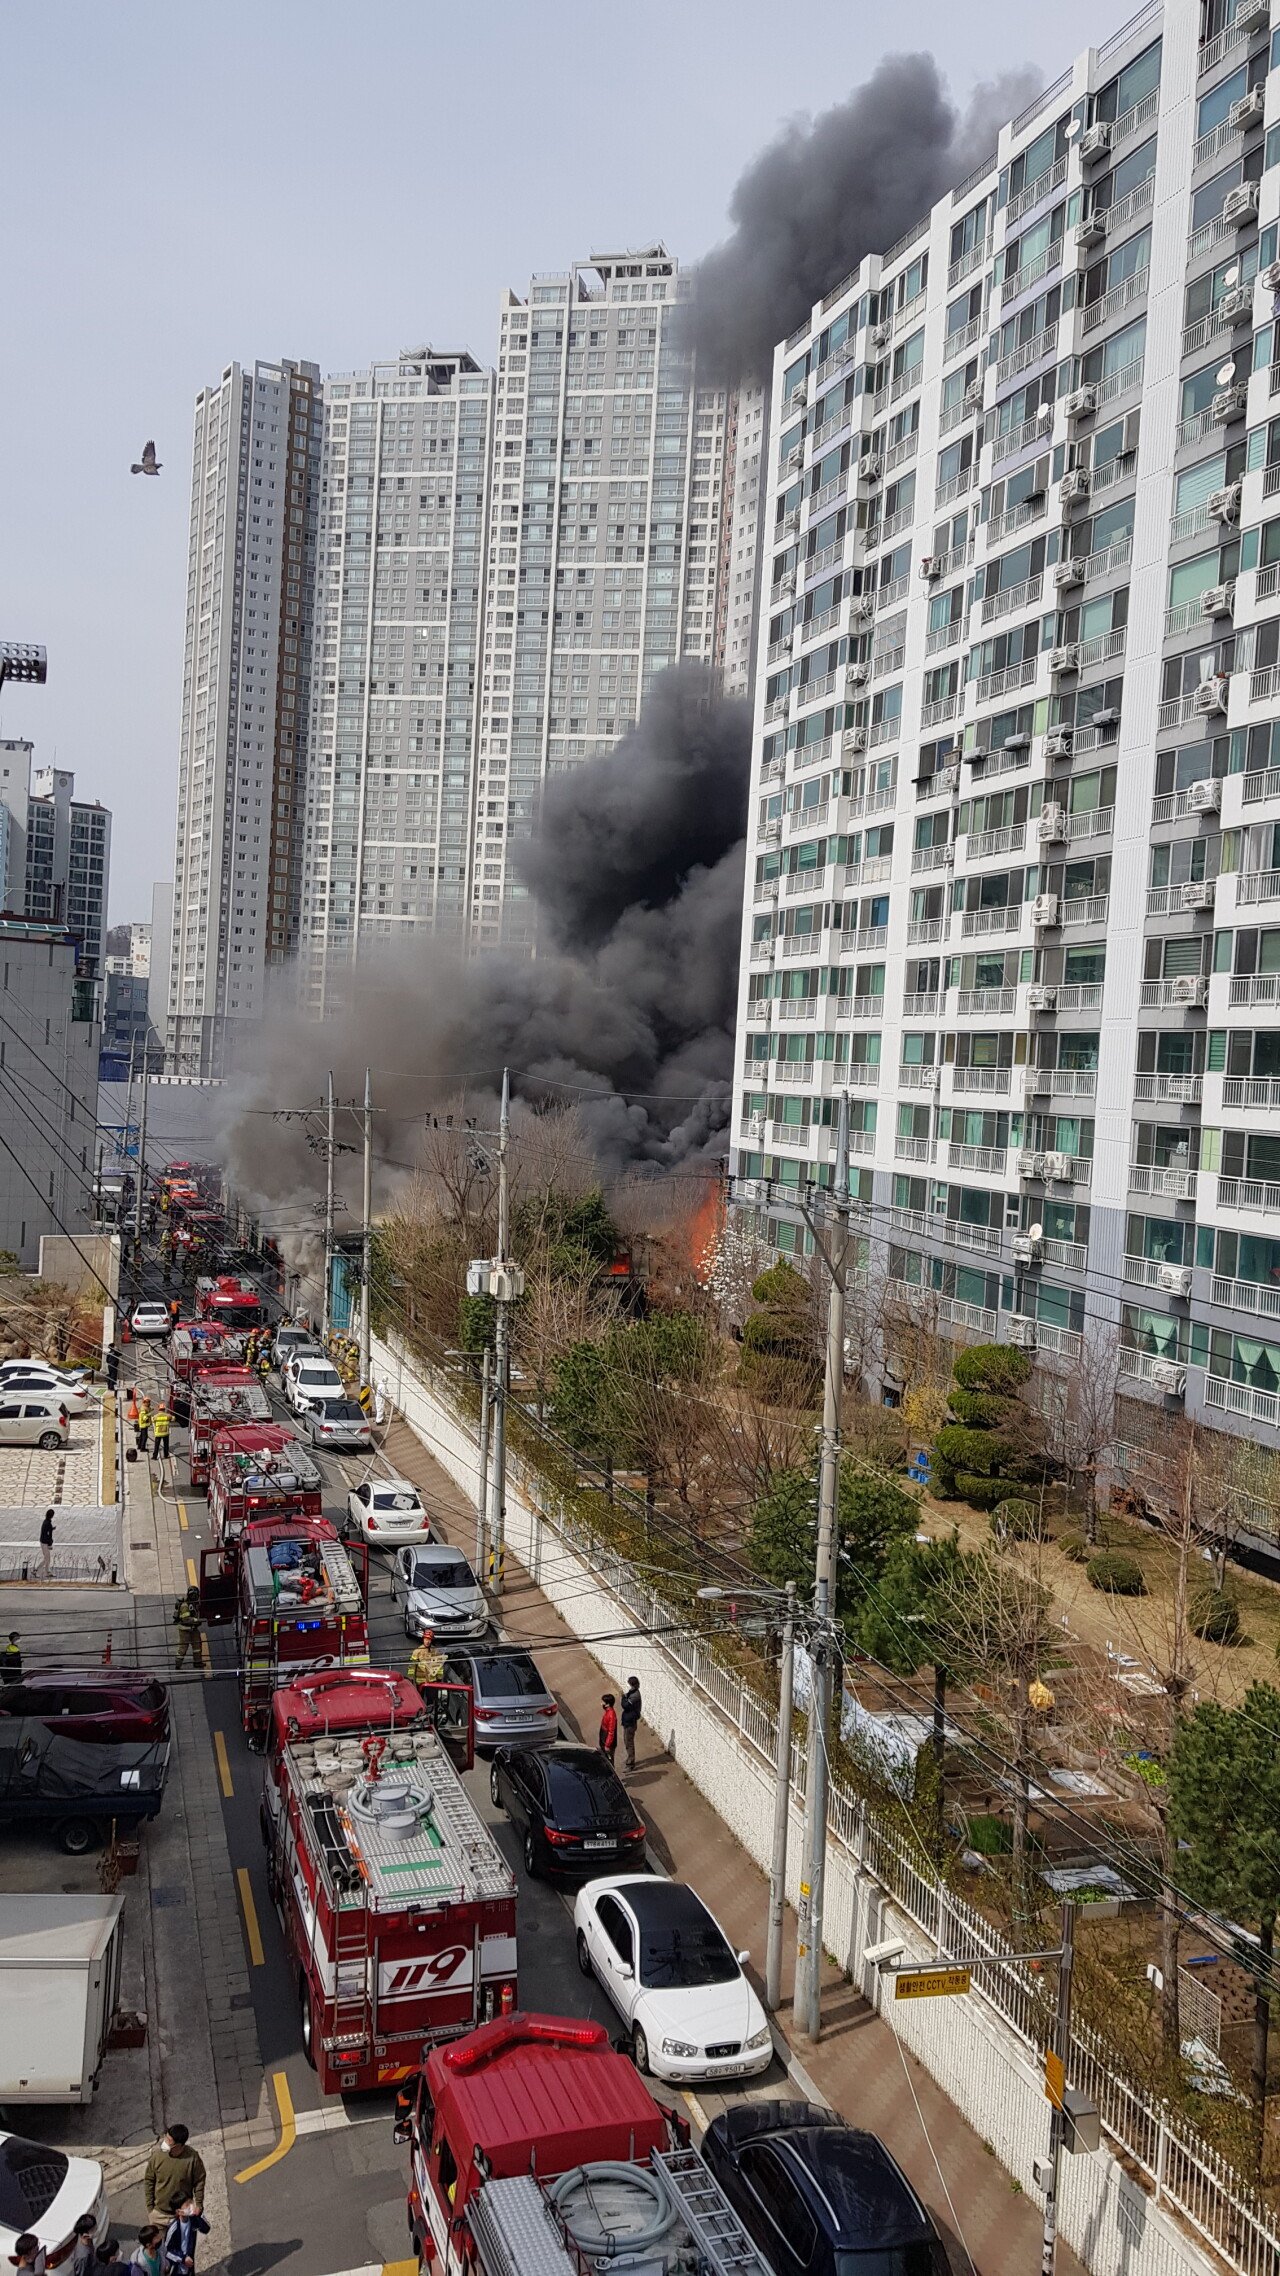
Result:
[
  {"x": 1014, "y": 878},
  {"x": 68, "y": 863},
  {"x": 48, "y": 1085},
  {"x": 742, "y": 530},
  {"x": 399, "y": 593},
  {"x": 245, "y": 701},
  {"x": 603, "y": 540}
]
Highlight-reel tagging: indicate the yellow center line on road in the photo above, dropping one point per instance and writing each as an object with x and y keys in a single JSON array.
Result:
[
  {"x": 251, "y": 1929},
  {"x": 224, "y": 1767},
  {"x": 288, "y": 2127}
]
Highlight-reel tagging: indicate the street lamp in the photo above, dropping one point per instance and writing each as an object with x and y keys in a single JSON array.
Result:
[
  {"x": 22, "y": 660},
  {"x": 784, "y": 1600}
]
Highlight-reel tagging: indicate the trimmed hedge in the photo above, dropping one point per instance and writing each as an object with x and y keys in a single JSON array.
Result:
[
  {"x": 983, "y": 1493},
  {"x": 979, "y": 1409},
  {"x": 1075, "y": 1547},
  {"x": 1214, "y": 1614},
  {"x": 996, "y": 1367},
  {"x": 1017, "y": 1521},
  {"x": 1117, "y": 1574},
  {"x": 960, "y": 1448}
]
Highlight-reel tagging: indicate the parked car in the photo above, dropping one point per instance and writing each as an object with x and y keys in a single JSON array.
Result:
[
  {"x": 39, "y": 1382},
  {"x": 151, "y": 1320},
  {"x": 338, "y": 1422},
  {"x": 670, "y": 1971},
  {"x": 387, "y": 1512},
  {"x": 45, "y": 2191},
  {"x": 438, "y": 1590},
  {"x": 511, "y": 1704},
  {"x": 78, "y": 1788},
  {"x": 569, "y": 1806},
  {"x": 104, "y": 1703},
  {"x": 820, "y": 2198},
  {"x": 308, "y": 1380},
  {"x": 289, "y": 1339},
  {"x": 39, "y": 1421}
]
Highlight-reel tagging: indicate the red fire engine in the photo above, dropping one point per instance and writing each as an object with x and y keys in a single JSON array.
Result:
[
  {"x": 197, "y": 1343},
  {"x": 537, "y": 2151},
  {"x": 235, "y": 1301},
  {"x": 398, "y": 1910},
  {"x": 260, "y": 1470},
  {"x": 220, "y": 1394},
  {"x": 297, "y": 1605}
]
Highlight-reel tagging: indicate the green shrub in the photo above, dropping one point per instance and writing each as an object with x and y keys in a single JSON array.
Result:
[
  {"x": 977, "y": 1408},
  {"x": 1215, "y": 1615},
  {"x": 990, "y": 1837},
  {"x": 984, "y": 1493},
  {"x": 1113, "y": 1571},
  {"x": 1017, "y": 1521},
  {"x": 1075, "y": 1547},
  {"x": 958, "y": 1448},
  {"x": 996, "y": 1367}
]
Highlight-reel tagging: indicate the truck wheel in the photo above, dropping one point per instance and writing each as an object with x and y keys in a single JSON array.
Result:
[
  {"x": 308, "y": 2021},
  {"x": 77, "y": 1836}
]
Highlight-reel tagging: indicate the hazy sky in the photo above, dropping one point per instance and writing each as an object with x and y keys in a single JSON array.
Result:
[{"x": 185, "y": 185}]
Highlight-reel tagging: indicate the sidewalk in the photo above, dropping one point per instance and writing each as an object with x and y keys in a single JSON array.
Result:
[{"x": 859, "y": 2066}]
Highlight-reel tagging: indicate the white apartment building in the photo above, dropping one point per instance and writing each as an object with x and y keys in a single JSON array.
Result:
[
  {"x": 67, "y": 860},
  {"x": 245, "y": 700},
  {"x": 48, "y": 1086},
  {"x": 604, "y": 533},
  {"x": 742, "y": 533},
  {"x": 1014, "y": 873},
  {"x": 399, "y": 592}
]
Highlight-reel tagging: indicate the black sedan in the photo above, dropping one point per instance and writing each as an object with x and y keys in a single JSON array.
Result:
[
  {"x": 570, "y": 1807},
  {"x": 819, "y": 2197}
]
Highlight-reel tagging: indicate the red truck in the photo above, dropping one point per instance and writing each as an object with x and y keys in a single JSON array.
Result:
[
  {"x": 259, "y": 1470},
  {"x": 221, "y": 1393},
  {"x": 237, "y": 1302},
  {"x": 398, "y": 1910},
  {"x": 538, "y": 2151},
  {"x": 297, "y": 1603}
]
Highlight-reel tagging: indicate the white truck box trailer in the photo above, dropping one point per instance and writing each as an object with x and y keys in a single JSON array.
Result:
[{"x": 59, "y": 1989}]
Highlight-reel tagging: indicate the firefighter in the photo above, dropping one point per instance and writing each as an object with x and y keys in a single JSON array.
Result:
[
  {"x": 189, "y": 1622},
  {"x": 143, "y": 1424},
  {"x": 175, "y": 1311},
  {"x": 264, "y": 1365},
  {"x": 426, "y": 1664},
  {"x": 160, "y": 1430}
]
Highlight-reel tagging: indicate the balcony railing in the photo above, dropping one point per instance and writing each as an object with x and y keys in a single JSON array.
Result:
[
  {"x": 1072, "y": 1254},
  {"x": 1013, "y": 597},
  {"x": 981, "y": 1079},
  {"x": 1241, "y": 1399},
  {"x": 913, "y": 1149},
  {"x": 857, "y": 1007},
  {"x": 948, "y": 492},
  {"x": 1129, "y": 121},
  {"x": 1014, "y": 439},
  {"x": 796, "y": 1007},
  {"x": 999, "y": 683},
  {"x": 1255, "y": 988},
  {"x": 1144, "y": 1272},
  {"x": 1097, "y": 822},
  {"x": 1198, "y": 335},
  {"x": 917, "y": 1078},
  {"x": 1246, "y": 1295},
  {"x": 1102, "y": 648},
  {"x": 1248, "y": 1193},
  {"x": 887, "y": 660},
  {"x": 965, "y": 263},
  {"x": 829, "y": 495},
  {"x": 922, "y": 1003},
  {"x": 1177, "y": 1185},
  {"x": 1031, "y": 193},
  {"x": 1262, "y": 784},
  {"x": 1009, "y": 839},
  {"x": 942, "y": 707},
  {"x": 803, "y": 881},
  {"x": 1213, "y": 50},
  {"x": 884, "y": 731},
  {"x": 866, "y": 937},
  {"x": 943, "y": 636},
  {"x": 972, "y": 1000},
  {"x": 1176, "y": 900},
  {"x": 1257, "y": 885},
  {"x": 956, "y": 342},
  {"x": 1111, "y": 303},
  {"x": 955, "y": 415},
  {"x": 872, "y": 871},
  {"x": 953, "y": 1312},
  {"x": 1065, "y": 1342},
  {"x": 1264, "y": 685},
  {"x": 1080, "y": 996},
  {"x": 1004, "y": 525},
  {"x": 1061, "y": 1082},
  {"x": 931, "y": 857},
  {"x": 1090, "y": 909},
  {"x": 1007, "y": 920},
  {"x": 1185, "y": 1090},
  {"x": 922, "y": 929},
  {"x": 795, "y": 945},
  {"x": 990, "y": 1159},
  {"x": 1022, "y": 280},
  {"x": 898, "y": 453},
  {"x": 1119, "y": 215},
  {"x": 1143, "y": 1364},
  {"x": 1042, "y": 343},
  {"x": 1251, "y": 1090}
]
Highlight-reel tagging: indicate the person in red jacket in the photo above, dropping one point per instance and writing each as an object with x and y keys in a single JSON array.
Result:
[{"x": 608, "y": 1741}]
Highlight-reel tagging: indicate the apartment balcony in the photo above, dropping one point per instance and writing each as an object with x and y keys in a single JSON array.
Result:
[
  {"x": 1063, "y": 1343},
  {"x": 1188, "y": 616},
  {"x": 944, "y": 782},
  {"x": 814, "y": 691},
  {"x": 1197, "y": 336},
  {"x": 1102, "y": 648},
  {"x": 1004, "y": 525},
  {"x": 1191, "y": 899},
  {"x": 1033, "y": 193},
  {"x": 886, "y": 661},
  {"x": 923, "y": 929},
  {"x": 975, "y": 922},
  {"x": 991, "y": 1160},
  {"x": 1089, "y": 909},
  {"x": 856, "y": 1007},
  {"x": 989, "y": 1079},
  {"x": 1014, "y": 439},
  {"x": 1033, "y": 351},
  {"x": 956, "y": 414},
  {"x": 1175, "y": 805},
  {"x": 817, "y": 625},
  {"x": 906, "y": 448},
  {"x": 919, "y": 1078},
  {"x": 925, "y": 858},
  {"x": 873, "y": 871},
  {"x": 799, "y": 881},
  {"x": 1248, "y": 1193},
  {"x": 1254, "y": 988},
  {"x": 1212, "y": 51},
  {"x": 1264, "y": 685},
  {"x": 972, "y": 1001},
  {"x": 793, "y": 945},
  {"x": 943, "y": 707},
  {"x": 952, "y": 1312},
  {"x": 914, "y": 1149},
  {"x": 1241, "y": 1399},
  {"x": 965, "y": 263},
  {"x": 1080, "y": 996},
  {"x": 1112, "y": 303},
  {"x": 793, "y": 1071},
  {"x": 1060, "y": 1082},
  {"x": 956, "y": 342},
  {"x": 1174, "y": 1185},
  {"x": 1142, "y": 1364},
  {"x": 884, "y": 731},
  {"x": 1078, "y": 1171},
  {"x": 1098, "y": 822},
  {"x": 1262, "y": 784},
  {"x": 947, "y": 492},
  {"x": 1013, "y": 598},
  {"x": 1043, "y": 265},
  {"x": 1251, "y": 1090},
  {"x": 816, "y": 564},
  {"x": 762, "y": 951},
  {"x": 943, "y": 636},
  {"x": 892, "y": 525},
  {"x": 1145, "y": 1272},
  {"x": 802, "y": 819},
  {"x": 829, "y": 495},
  {"x": 777, "y": 708},
  {"x": 1000, "y": 683},
  {"x": 1257, "y": 885},
  {"x": 1174, "y": 1090},
  {"x": 851, "y": 809},
  {"x": 946, "y": 564},
  {"x": 923, "y": 1003},
  {"x": 984, "y": 1238},
  {"x": 980, "y": 843},
  {"x": 792, "y": 1008},
  {"x": 866, "y": 938},
  {"x": 1192, "y": 523},
  {"x": 1188, "y": 994},
  {"x": 778, "y": 649},
  {"x": 1261, "y": 1296},
  {"x": 1070, "y": 1254},
  {"x": 1212, "y": 234}
]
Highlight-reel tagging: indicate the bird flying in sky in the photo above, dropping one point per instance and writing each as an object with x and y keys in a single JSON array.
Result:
[{"x": 150, "y": 464}]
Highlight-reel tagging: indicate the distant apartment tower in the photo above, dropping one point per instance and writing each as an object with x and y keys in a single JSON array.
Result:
[
  {"x": 399, "y": 592},
  {"x": 68, "y": 863},
  {"x": 741, "y": 537},
  {"x": 603, "y": 540},
  {"x": 15, "y": 795},
  {"x": 245, "y": 698},
  {"x": 48, "y": 1085}
]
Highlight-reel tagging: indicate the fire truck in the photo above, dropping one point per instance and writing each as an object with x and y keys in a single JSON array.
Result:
[
  {"x": 195, "y": 1342},
  {"x": 399, "y": 1912},
  {"x": 259, "y": 1470},
  {"x": 537, "y": 2151},
  {"x": 237, "y": 1302},
  {"x": 220, "y": 1394},
  {"x": 297, "y": 1604}
]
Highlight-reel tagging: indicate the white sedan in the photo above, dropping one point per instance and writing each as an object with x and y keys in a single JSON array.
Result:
[
  {"x": 53, "y": 2191},
  {"x": 19, "y": 1375},
  {"x": 151, "y": 1320},
  {"x": 670, "y": 1971},
  {"x": 386, "y": 1512}
]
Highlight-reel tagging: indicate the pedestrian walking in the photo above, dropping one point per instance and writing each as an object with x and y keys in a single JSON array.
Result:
[
  {"x": 175, "y": 2175},
  {"x": 147, "y": 2260},
  {"x": 189, "y": 1622},
  {"x": 28, "y": 2254},
  {"x": 84, "y": 2251},
  {"x": 113, "y": 1368},
  {"x": 143, "y": 1423},
  {"x": 160, "y": 1431},
  {"x": 181, "y": 2238},
  {"x": 11, "y": 1660},
  {"x": 46, "y": 1546},
  {"x": 608, "y": 1738},
  {"x": 632, "y": 1710}
]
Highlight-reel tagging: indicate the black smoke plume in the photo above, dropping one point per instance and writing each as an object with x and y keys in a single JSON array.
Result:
[
  {"x": 828, "y": 191},
  {"x": 626, "y": 1011}
]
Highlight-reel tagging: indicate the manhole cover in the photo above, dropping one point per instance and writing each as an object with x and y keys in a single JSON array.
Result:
[
  {"x": 162, "y": 1897},
  {"x": 139, "y": 1544}
]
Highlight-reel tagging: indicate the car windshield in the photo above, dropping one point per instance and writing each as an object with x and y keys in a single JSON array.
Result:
[
  {"x": 680, "y": 1945},
  {"x": 316, "y": 1375},
  {"x": 396, "y": 1501},
  {"x": 342, "y": 1411},
  {"x": 459, "y": 1575},
  {"x": 512, "y": 1677},
  {"x": 927, "y": 2257},
  {"x": 31, "y": 2175}
]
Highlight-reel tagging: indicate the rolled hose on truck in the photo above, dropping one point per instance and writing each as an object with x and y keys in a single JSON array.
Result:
[{"x": 600, "y": 2208}]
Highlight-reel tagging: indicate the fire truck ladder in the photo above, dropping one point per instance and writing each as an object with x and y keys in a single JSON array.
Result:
[
  {"x": 722, "y": 2242},
  {"x": 351, "y": 1930}
]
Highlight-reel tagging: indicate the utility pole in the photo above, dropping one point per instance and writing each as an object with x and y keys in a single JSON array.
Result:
[
  {"x": 329, "y": 1151},
  {"x": 808, "y": 1991},
  {"x": 127, "y": 1132},
  {"x": 781, "y": 1812},
  {"x": 502, "y": 1355},
  {"x": 366, "y": 1246},
  {"x": 482, "y": 1496},
  {"x": 1055, "y": 2075},
  {"x": 142, "y": 1155}
]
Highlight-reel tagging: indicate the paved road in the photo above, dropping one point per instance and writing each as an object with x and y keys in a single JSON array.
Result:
[{"x": 335, "y": 2200}]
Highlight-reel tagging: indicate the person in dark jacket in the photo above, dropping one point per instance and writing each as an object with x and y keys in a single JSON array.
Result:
[
  {"x": 632, "y": 1710},
  {"x": 46, "y": 1546},
  {"x": 181, "y": 2238}
]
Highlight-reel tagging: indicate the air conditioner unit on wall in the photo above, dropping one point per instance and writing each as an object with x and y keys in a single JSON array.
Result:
[
  {"x": 1235, "y": 305},
  {"x": 1205, "y": 797},
  {"x": 1022, "y": 1331},
  {"x": 1040, "y": 999},
  {"x": 879, "y": 335},
  {"x": 1091, "y": 231},
  {"x": 1211, "y": 695},
  {"x": 1068, "y": 573},
  {"x": 1198, "y": 896},
  {"x": 1074, "y": 486},
  {"x": 1225, "y": 504},
  {"x": 1059, "y": 744},
  {"x": 1219, "y": 600},
  {"x": 1044, "y": 909},
  {"x": 1064, "y": 660},
  {"x": 1228, "y": 404},
  {"x": 1053, "y": 822},
  {"x": 1081, "y": 402},
  {"x": 869, "y": 466},
  {"x": 1027, "y": 1248},
  {"x": 1168, "y": 1376},
  {"x": 1057, "y": 1168},
  {"x": 1095, "y": 143},
  {"x": 1241, "y": 206},
  {"x": 1189, "y": 988},
  {"x": 1251, "y": 15},
  {"x": 1247, "y": 109},
  {"x": 1175, "y": 1279}
]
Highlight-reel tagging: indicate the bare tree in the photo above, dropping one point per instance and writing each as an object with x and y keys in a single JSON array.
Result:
[
  {"x": 561, "y": 1306},
  {"x": 1078, "y": 1406},
  {"x": 993, "y": 1624},
  {"x": 918, "y": 1353}
]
